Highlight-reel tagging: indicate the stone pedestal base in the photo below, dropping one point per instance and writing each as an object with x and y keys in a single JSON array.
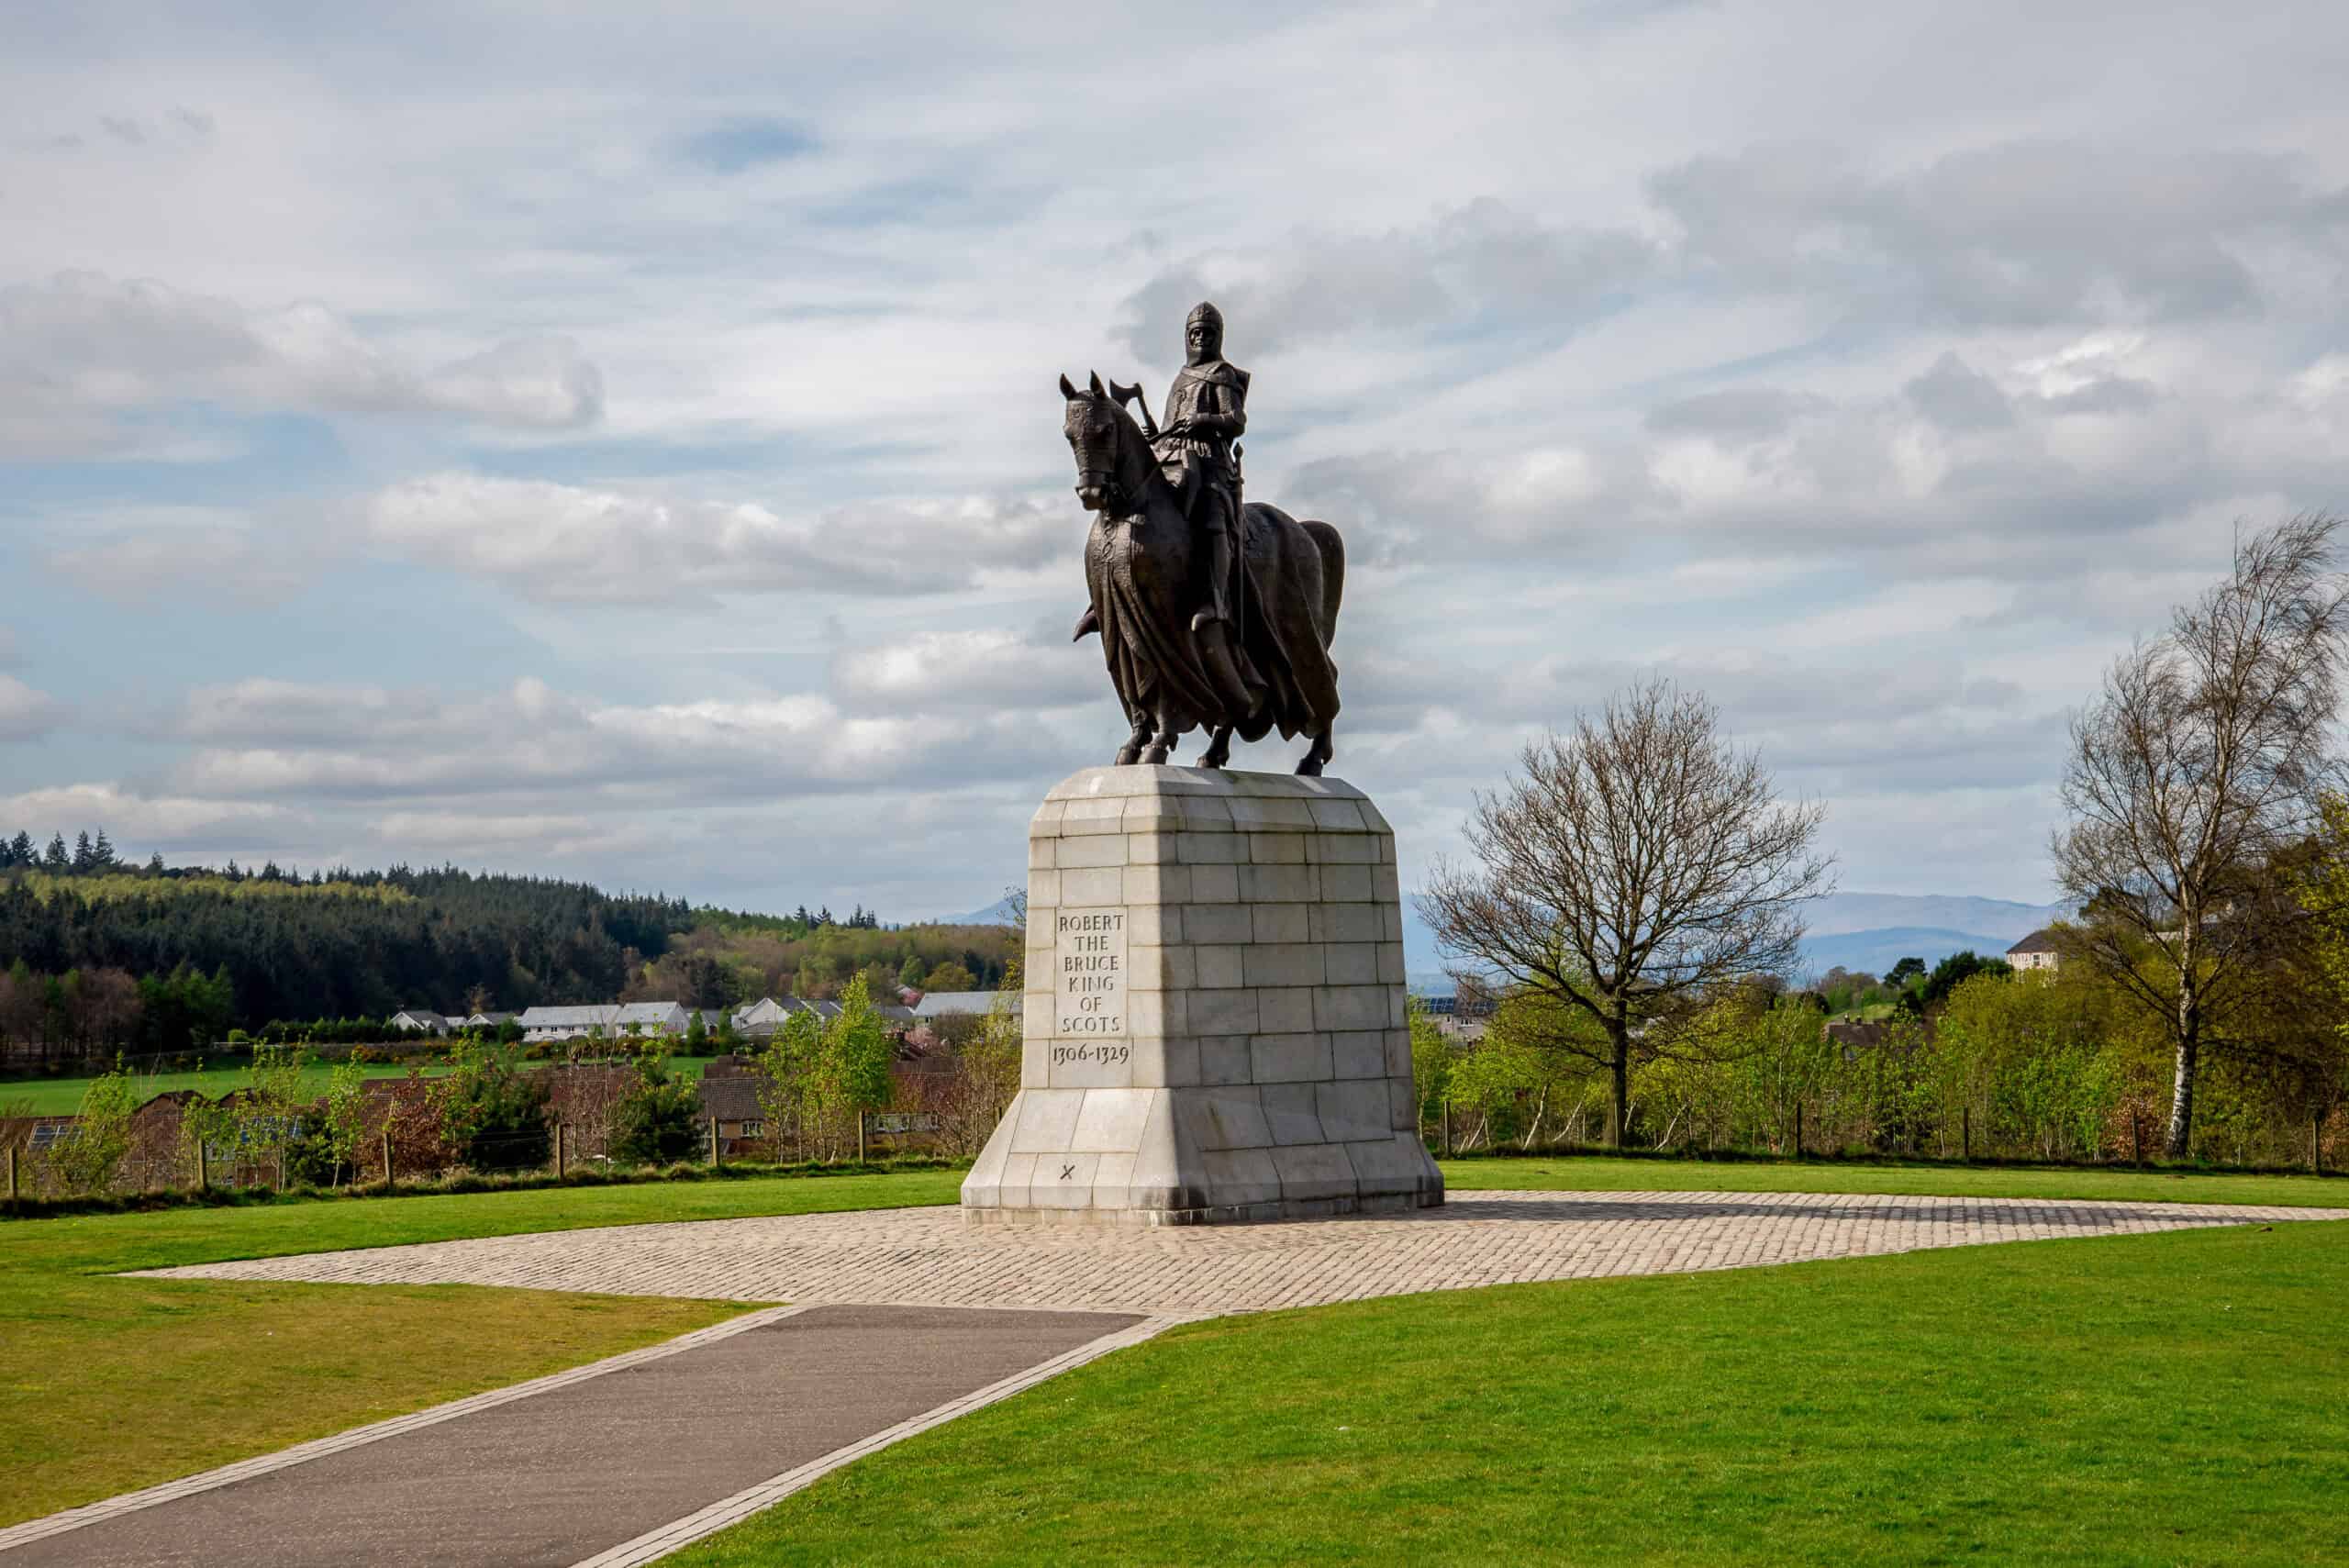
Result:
[{"x": 1213, "y": 1026}]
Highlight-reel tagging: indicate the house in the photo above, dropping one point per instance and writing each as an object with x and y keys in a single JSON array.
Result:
[
  {"x": 419, "y": 1020},
  {"x": 731, "y": 1100},
  {"x": 940, "y": 1004},
  {"x": 484, "y": 1020},
  {"x": 609, "y": 1020},
  {"x": 2037, "y": 950}
]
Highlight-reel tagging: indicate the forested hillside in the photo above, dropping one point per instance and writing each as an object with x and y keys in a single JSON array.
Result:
[{"x": 95, "y": 954}]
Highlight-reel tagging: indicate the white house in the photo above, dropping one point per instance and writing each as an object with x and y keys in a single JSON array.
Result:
[
  {"x": 2036, "y": 951},
  {"x": 609, "y": 1021},
  {"x": 419, "y": 1020}
]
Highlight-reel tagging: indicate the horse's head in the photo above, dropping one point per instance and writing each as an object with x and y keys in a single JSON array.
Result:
[{"x": 1096, "y": 426}]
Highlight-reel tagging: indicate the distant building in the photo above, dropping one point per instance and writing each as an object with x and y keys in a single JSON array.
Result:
[
  {"x": 2036, "y": 951},
  {"x": 610, "y": 1020},
  {"x": 483, "y": 1020},
  {"x": 940, "y": 1004},
  {"x": 419, "y": 1020}
]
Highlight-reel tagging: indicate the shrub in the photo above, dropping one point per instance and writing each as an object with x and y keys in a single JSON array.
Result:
[{"x": 659, "y": 1118}]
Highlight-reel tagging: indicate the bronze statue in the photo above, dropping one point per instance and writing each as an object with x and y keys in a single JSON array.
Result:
[{"x": 1213, "y": 614}]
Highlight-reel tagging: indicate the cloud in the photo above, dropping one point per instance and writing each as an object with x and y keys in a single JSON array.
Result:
[
  {"x": 148, "y": 820},
  {"x": 1483, "y": 261},
  {"x": 2024, "y": 233},
  {"x": 27, "y": 714},
  {"x": 85, "y": 348},
  {"x": 572, "y": 544},
  {"x": 146, "y": 563},
  {"x": 992, "y": 671}
]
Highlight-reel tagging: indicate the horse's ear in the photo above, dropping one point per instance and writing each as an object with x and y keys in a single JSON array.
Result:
[
  {"x": 1096, "y": 385},
  {"x": 1066, "y": 390}
]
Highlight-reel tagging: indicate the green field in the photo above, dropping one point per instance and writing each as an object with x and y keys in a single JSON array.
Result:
[
  {"x": 2179, "y": 1398},
  {"x": 62, "y": 1097},
  {"x": 1583, "y": 1172},
  {"x": 108, "y": 1385}
]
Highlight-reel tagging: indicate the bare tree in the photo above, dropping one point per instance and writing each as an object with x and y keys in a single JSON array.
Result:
[
  {"x": 2202, "y": 759},
  {"x": 1638, "y": 863}
]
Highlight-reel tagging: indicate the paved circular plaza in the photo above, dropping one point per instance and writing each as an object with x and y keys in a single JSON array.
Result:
[{"x": 930, "y": 1257}]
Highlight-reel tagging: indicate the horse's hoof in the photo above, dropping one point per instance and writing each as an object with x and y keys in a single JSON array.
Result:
[
  {"x": 1310, "y": 767},
  {"x": 1129, "y": 755},
  {"x": 1154, "y": 756},
  {"x": 1212, "y": 761}
]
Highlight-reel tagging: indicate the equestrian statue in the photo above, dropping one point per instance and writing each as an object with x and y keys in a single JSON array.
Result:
[{"x": 1214, "y": 614}]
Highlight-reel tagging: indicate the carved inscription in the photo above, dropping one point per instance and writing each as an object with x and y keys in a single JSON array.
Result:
[{"x": 1089, "y": 982}]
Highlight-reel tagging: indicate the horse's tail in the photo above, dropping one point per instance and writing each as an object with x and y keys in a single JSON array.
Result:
[{"x": 1333, "y": 573}]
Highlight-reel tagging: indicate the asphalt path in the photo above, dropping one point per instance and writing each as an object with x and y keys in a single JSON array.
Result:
[{"x": 553, "y": 1479}]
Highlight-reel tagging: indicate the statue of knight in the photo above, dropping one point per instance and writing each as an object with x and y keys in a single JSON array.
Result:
[{"x": 1206, "y": 412}]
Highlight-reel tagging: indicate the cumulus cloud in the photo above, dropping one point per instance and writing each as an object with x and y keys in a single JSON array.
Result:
[
  {"x": 935, "y": 671},
  {"x": 84, "y": 348},
  {"x": 567, "y": 543}
]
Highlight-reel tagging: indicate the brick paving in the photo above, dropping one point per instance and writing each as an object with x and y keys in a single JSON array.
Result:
[{"x": 930, "y": 1257}]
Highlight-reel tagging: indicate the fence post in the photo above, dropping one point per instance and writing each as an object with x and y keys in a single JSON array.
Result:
[
  {"x": 1798, "y": 1129},
  {"x": 12, "y": 1173},
  {"x": 860, "y": 1137},
  {"x": 202, "y": 1166},
  {"x": 713, "y": 1139},
  {"x": 1967, "y": 1114},
  {"x": 387, "y": 1159},
  {"x": 558, "y": 1151},
  {"x": 1447, "y": 1127}
]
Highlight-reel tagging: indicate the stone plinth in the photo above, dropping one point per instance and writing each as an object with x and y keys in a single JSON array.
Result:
[{"x": 1213, "y": 1025}]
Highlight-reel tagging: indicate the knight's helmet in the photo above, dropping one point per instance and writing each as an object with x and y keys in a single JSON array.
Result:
[{"x": 1205, "y": 312}]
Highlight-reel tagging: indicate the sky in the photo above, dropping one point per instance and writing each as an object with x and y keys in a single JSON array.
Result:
[{"x": 623, "y": 441}]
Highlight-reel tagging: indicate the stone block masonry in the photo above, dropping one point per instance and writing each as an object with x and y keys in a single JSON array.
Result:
[{"x": 1214, "y": 1023}]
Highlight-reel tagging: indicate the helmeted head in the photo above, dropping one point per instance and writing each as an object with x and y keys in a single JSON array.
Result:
[{"x": 1203, "y": 333}]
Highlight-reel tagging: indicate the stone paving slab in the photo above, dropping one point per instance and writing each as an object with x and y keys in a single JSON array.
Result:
[
  {"x": 930, "y": 1257},
  {"x": 613, "y": 1468}
]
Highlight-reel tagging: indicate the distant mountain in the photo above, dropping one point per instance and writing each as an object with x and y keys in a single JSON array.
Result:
[
  {"x": 1869, "y": 931},
  {"x": 1849, "y": 913},
  {"x": 996, "y": 914}
]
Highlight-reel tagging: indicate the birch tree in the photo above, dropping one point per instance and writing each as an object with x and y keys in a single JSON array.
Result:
[{"x": 2202, "y": 760}]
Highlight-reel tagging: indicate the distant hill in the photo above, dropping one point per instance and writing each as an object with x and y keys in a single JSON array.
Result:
[{"x": 1869, "y": 931}]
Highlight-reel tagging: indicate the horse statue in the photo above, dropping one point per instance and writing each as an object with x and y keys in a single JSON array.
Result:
[{"x": 1145, "y": 573}]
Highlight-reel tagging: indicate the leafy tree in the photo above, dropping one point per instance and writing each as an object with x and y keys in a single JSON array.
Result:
[
  {"x": 1946, "y": 976},
  {"x": 659, "y": 1119},
  {"x": 490, "y": 1110},
  {"x": 1901, "y": 973},
  {"x": 343, "y": 1121},
  {"x": 697, "y": 1036},
  {"x": 89, "y": 1159},
  {"x": 951, "y": 976},
  {"x": 788, "y": 1089},
  {"x": 910, "y": 972},
  {"x": 858, "y": 1054}
]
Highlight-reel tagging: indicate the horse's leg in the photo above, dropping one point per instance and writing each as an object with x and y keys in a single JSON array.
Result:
[
  {"x": 1162, "y": 745},
  {"x": 1131, "y": 752},
  {"x": 1219, "y": 750},
  {"x": 1320, "y": 753}
]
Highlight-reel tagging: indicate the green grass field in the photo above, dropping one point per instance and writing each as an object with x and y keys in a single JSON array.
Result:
[
  {"x": 1584, "y": 1173},
  {"x": 108, "y": 1385},
  {"x": 2179, "y": 1398},
  {"x": 62, "y": 1097}
]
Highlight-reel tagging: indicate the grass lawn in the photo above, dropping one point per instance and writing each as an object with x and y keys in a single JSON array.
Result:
[
  {"x": 62, "y": 1097},
  {"x": 108, "y": 1385},
  {"x": 2180, "y": 1398},
  {"x": 1582, "y": 1172}
]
